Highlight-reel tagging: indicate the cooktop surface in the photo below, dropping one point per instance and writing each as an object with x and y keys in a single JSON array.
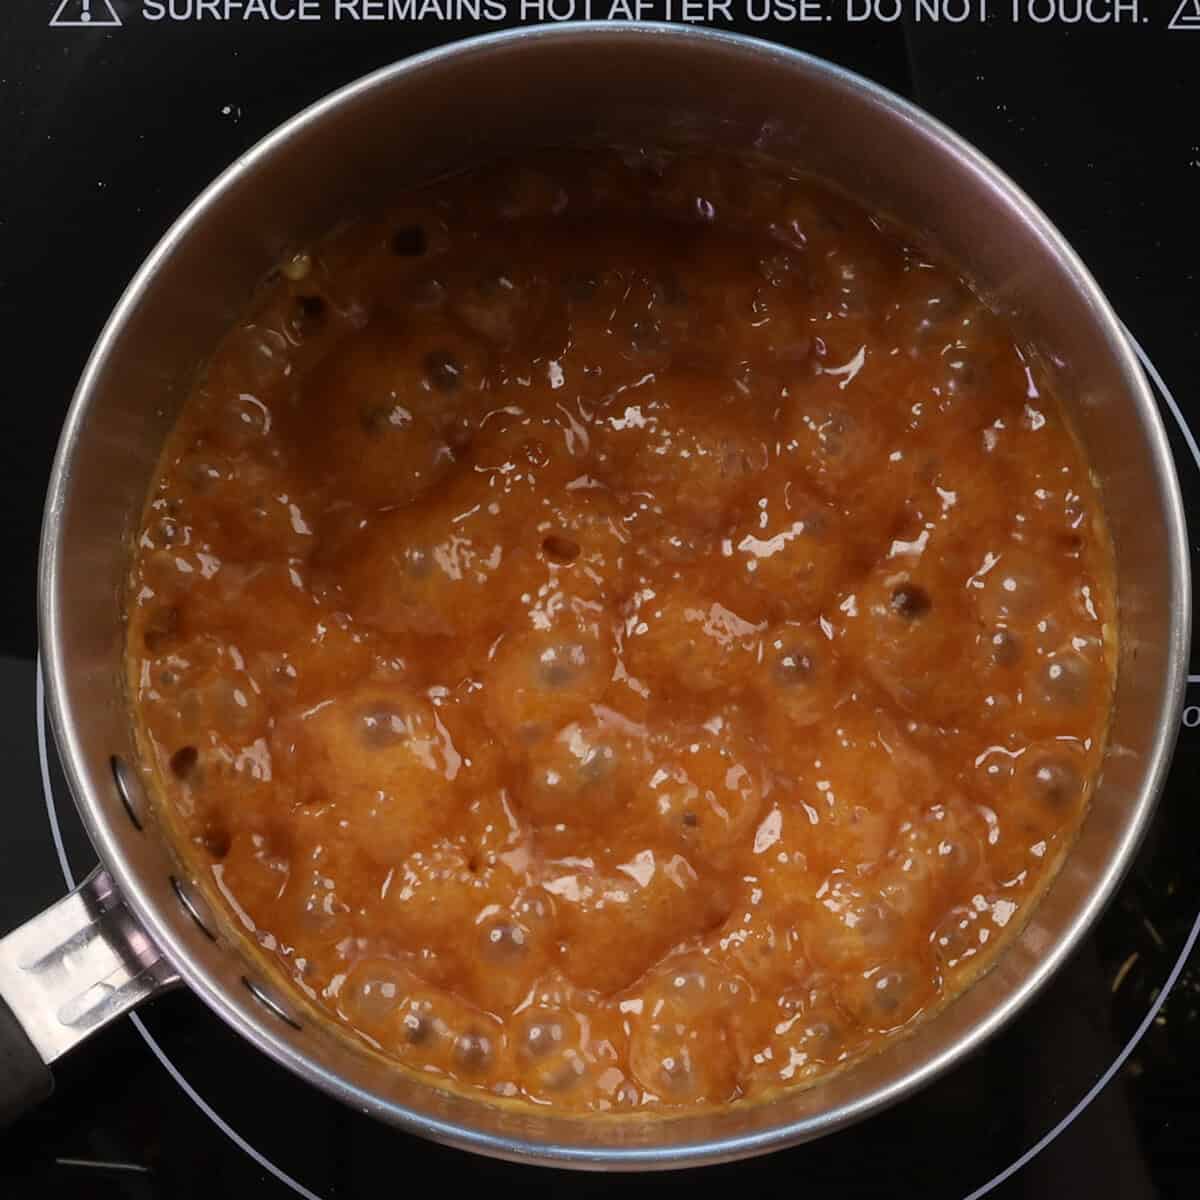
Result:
[{"x": 113, "y": 123}]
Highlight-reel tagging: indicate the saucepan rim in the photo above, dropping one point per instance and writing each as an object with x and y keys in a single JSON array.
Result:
[{"x": 258, "y": 1031}]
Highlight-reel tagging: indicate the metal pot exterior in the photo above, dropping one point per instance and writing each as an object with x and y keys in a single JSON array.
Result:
[{"x": 639, "y": 84}]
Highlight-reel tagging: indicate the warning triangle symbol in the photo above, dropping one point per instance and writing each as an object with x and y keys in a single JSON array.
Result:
[
  {"x": 1188, "y": 16},
  {"x": 85, "y": 14}
]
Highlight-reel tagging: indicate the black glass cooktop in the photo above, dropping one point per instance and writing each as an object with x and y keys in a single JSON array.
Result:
[{"x": 108, "y": 130}]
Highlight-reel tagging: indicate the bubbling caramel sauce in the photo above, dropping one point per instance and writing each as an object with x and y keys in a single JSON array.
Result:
[{"x": 624, "y": 632}]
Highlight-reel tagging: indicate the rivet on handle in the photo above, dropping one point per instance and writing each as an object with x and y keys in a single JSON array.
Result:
[
  {"x": 269, "y": 1002},
  {"x": 195, "y": 906},
  {"x": 129, "y": 788}
]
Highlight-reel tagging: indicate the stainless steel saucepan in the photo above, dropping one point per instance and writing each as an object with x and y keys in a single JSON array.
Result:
[{"x": 140, "y": 925}]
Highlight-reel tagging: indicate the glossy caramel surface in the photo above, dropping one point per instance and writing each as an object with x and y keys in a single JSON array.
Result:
[{"x": 624, "y": 631}]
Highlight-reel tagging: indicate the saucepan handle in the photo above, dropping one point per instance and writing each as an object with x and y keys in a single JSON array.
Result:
[{"x": 63, "y": 975}]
